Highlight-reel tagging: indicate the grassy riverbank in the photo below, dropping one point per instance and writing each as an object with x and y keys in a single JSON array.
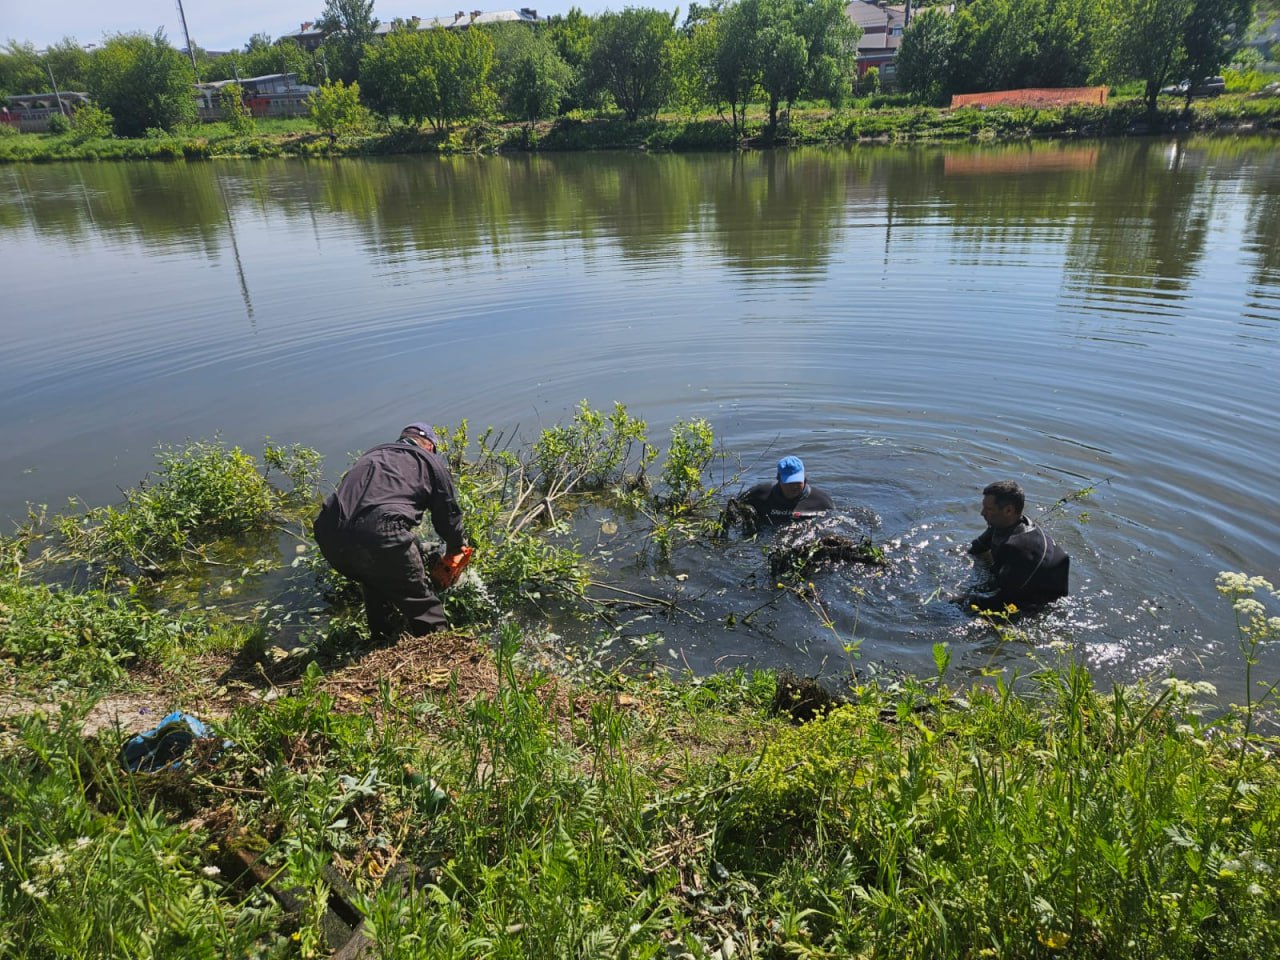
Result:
[
  {"x": 871, "y": 120},
  {"x": 484, "y": 794}
]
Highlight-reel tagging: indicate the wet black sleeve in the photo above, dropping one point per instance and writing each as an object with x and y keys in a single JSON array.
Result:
[
  {"x": 982, "y": 544},
  {"x": 757, "y": 498}
]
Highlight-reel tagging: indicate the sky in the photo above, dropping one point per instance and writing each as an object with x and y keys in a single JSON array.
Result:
[{"x": 221, "y": 24}]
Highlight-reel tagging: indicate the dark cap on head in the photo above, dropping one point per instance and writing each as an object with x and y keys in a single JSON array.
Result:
[{"x": 421, "y": 430}]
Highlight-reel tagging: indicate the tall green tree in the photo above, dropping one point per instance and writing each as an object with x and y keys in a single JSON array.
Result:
[
  {"x": 784, "y": 59},
  {"x": 693, "y": 60},
  {"x": 143, "y": 82},
  {"x": 261, "y": 57},
  {"x": 1145, "y": 39},
  {"x": 1213, "y": 34},
  {"x": 69, "y": 63},
  {"x": 571, "y": 35},
  {"x": 994, "y": 45},
  {"x": 1065, "y": 44},
  {"x": 529, "y": 75},
  {"x": 831, "y": 47},
  {"x": 737, "y": 58},
  {"x": 21, "y": 70},
  {"x": 348, "y": 26},
  {"x": 631, "y": 54},
  {"x": 924, "y": 58},
  {"x": 438, "y": 75}
]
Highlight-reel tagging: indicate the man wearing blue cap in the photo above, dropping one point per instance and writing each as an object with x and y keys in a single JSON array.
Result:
[
  {"x": 790, "y": 498},
  {"x": 365, "y": 530}
]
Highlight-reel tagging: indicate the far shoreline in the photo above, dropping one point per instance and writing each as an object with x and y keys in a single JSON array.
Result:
[{"x": 1223, "y": 116}]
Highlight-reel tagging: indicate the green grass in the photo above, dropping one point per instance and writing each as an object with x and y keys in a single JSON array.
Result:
[{"x": 1048, "y": 820}]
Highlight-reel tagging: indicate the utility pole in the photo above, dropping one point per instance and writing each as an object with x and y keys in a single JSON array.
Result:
[
  {"x": 56, "y": 95},
  {"x": 182, "y": 15}
]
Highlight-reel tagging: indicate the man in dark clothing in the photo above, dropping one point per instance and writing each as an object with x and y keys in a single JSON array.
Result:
[
  {"x": 365, "y": 530},
  {"x": 1027, "y": 567},
  {"x": 789, "y": 498}
]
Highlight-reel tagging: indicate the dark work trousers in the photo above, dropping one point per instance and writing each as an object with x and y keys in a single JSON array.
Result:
[{"x": 383, "y": 556}]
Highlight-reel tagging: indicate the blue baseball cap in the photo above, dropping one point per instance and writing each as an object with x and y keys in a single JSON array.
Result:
[
  {"x": 791, "y": 470},
  {"x": 421, "y": 430}
]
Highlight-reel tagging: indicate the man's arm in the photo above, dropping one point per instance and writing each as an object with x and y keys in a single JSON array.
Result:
[
  {"x": 446, "y": 515},
  {"x": 981, "y": 545}
]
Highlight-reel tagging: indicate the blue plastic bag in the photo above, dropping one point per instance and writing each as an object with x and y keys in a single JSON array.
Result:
[{"x": 164, "y": 746}]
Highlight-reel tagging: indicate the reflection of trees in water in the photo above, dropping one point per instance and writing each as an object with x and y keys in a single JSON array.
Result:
[
  {"x": 774, "y": 210},
  {"x": 1138, "y": 212},
  {"x": 156, "y": 205},
  {"x": 777, "y": 210},
  {"x": 1147, "y": 224},
  {"x": 1261, "y": 180}
]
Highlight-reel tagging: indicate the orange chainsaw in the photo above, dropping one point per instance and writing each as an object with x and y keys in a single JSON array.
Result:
[{"x": 446, "y": 570}]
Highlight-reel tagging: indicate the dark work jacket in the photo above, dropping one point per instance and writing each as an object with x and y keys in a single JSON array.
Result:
[
  {"x": 771, "y": 506},
  {"x": 386, "y": 492},
  {"x": 1026, "y": 565}
]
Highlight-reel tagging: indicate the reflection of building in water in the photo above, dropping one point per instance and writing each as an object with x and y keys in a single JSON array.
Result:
[
  {"x": 272, "y": 95},
  {"x": 30, "y": 112},
  {"x": 1019, "y": 160}
]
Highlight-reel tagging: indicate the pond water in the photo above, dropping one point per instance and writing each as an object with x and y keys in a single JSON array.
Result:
[{"x": 913, "y": 322}]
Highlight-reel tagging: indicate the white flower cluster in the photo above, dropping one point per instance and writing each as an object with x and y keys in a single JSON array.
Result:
[
  {"x": 1251, "y": 611},
  {"x": 1239, "y": 585},
  {"x": 1188, "y": 688}
]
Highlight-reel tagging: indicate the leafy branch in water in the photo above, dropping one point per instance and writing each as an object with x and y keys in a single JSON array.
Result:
[
  {"x": 688, "y": 507},
  {"x": 201, "y": 492}
]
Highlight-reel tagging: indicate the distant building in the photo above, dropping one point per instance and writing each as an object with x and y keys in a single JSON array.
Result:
[
  {"x": 30, "y": 112},
  {"x": 309, "y": 36},
  {"x": 271, "y": 95},
  {"x": 882, "y": 27}
]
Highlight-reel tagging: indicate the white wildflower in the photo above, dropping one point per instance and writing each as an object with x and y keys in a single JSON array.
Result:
[
  {"x": 31, "y": 890},
  {"x": 82, "y": 842},
  {"x": 210, "y": 871},
  {"x": 1238, "y": 585},
  {"x": 1248, "y": 608}
]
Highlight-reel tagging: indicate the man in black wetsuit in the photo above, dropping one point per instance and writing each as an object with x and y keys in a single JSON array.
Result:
[
  {"x": 1027, "y": 567},
  {"x": 789, "y": 498},
  {"x": 365, "y": 530}
]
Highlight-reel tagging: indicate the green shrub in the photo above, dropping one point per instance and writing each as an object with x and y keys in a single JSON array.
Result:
[
  {"x": 200, "y": 493},
  {"x": 235, "y": 113},
  {"x": 688, "y": 457},
  {"x": 591, "y": 452},
  {"x": 59, "y": 124},
  {"x": 91, "y": 122},
  {"x": 65, "y": 638}
]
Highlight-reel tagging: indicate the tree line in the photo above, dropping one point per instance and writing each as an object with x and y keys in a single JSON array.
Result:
[
  {"x": 988, "y": 45},
  {"x": 636, "y": 62}
]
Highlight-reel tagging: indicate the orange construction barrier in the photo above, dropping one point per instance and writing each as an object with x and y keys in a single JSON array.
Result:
[{"x": 1038, "y": 97}]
